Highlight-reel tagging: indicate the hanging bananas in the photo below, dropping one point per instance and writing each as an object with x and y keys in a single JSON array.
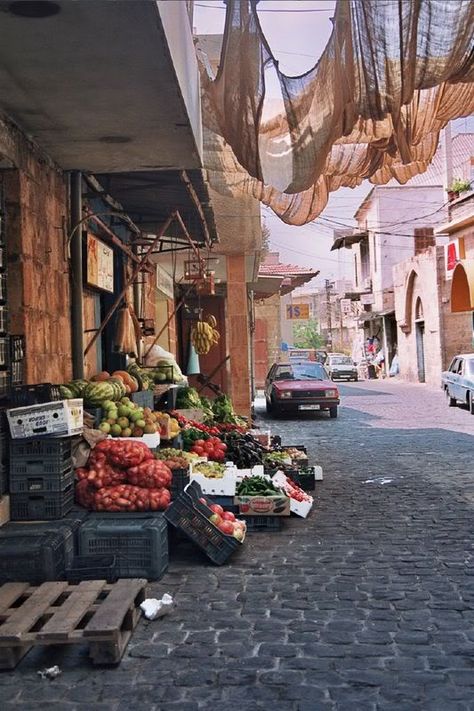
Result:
[{"x": 204, "y": 335}]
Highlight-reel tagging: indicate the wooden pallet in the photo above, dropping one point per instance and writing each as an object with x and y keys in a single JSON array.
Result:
[{"x": 92, "y": 612}]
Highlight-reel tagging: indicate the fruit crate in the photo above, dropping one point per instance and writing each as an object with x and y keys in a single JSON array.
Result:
[
  {"x": 179, "y": 481},
  {"x": 143, "y": 398},
  {"x": 33, "y": 558},
  {"x": 263, "y": 523},
  {"x": 68, "y": 527},
  {"x": 93, "y": 567},
  {"x": 227, "y": 502},
  {"x": 3, "y": 320},
  {"x": 41, "y": 507},
  {"x": 24, "y": 395},
  {"x": 190, "y": 516},
  {"x": 34, "y": 481},
  {"x": 5, "y": 378},
  {"x": 17, "y": 348},
  {"x": 4, "y": 447},
  {"x": 139, "y": 544},
  {"x": 17, "y": 373}
]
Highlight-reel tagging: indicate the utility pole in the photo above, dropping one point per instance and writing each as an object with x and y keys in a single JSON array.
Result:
[{"x": 327, "y": 286}]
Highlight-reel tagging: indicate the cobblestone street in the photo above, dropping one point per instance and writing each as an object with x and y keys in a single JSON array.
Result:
[{"x": 367, "y": 605}]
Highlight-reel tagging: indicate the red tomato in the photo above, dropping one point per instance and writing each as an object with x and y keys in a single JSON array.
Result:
[{"x": 198, "y": 450}]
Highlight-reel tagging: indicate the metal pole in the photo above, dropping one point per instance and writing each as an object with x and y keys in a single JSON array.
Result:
[
  {"x": 252, "y": 343},
  {"x": 77, "y": 321}
]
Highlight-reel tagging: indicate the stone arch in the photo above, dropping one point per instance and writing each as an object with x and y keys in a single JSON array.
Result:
[
  {"x": 419, "y": 310},
  {"x": 406, "y": 325}
]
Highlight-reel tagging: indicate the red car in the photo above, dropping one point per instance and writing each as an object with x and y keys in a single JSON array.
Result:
[{"x": 299, "y": 387}]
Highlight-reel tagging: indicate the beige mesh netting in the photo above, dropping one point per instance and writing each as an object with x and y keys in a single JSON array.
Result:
[{"x": 393, "y": 73}]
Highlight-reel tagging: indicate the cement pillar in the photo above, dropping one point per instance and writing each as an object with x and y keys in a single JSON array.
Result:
[{"x": 238, "y": 336}]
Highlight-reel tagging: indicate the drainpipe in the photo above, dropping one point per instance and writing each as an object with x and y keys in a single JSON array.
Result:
[{"x": 77, "y": 322}]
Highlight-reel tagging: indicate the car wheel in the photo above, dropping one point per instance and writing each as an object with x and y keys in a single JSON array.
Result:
[
  {"x": 333, "y": 412},
  {"x": 470, "y": 402},
  {"x": 356, "y": 379},
  {"x": 451, "y": 400},
  {"x": 268, "y": 407}
]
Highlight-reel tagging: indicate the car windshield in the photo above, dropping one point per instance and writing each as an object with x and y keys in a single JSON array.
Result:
[
  {"x": 340, "y": 360},
  {"x": 302, "y": 371}
]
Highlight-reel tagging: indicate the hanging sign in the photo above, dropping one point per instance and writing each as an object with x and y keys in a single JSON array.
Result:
[
  {"x": 346, "y": 307},
  {"x": 367, "y": 299},
  {"x": 99, "y": 264},
  {"x": 453, "y": 253},
  {"x": 297, "y": 312}
]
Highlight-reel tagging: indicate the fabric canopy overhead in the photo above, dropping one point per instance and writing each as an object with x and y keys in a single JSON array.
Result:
[{"x": 393, "y": 73}]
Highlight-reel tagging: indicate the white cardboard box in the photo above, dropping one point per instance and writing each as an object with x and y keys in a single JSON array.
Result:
[
  {"x": 59, "y": 418},
  {"x": 301, "y": 508},
  {"x": 151, "y": 440},
  {"x": 215, "y": 487}
]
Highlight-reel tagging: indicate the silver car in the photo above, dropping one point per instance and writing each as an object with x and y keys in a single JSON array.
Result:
[
  {"x": 341, "y": 367},
  {"x": 458, "y": 381}
]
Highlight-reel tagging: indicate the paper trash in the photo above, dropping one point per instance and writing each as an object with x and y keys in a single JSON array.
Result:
[{"x": 153, "y": 608}]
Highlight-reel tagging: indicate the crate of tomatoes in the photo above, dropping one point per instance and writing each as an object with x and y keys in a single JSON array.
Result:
[{"x": 123, "y": 476}]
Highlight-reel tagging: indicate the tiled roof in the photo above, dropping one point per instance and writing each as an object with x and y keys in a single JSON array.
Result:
[{"x": 285, "y": 270}]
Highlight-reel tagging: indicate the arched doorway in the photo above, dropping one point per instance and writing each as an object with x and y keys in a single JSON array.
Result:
[{"x": 420, "y": 339}]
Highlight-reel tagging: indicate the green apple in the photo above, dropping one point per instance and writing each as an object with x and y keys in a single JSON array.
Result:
[
  {"x": 104, "y": 427},
  {"x": 116, "y": 430}
]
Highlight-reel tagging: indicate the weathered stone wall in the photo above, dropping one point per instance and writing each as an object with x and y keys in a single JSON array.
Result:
[{"x": 38, "y": 281}]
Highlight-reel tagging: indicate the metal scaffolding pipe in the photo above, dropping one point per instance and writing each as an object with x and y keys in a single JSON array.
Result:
[{"x": 77, "y": 321}]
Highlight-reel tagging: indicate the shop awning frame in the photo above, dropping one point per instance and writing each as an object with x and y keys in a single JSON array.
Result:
[{"x": 348, "y": 240}]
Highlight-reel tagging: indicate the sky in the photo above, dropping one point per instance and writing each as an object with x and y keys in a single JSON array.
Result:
[{"x": 297, "y": 31}]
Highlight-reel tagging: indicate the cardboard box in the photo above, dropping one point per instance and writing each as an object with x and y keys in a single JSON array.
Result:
[
  {"x": 151, "y": 440},
  {"x": 278, "y": 505},
  {"x": 301, "y": 508},
  {"x": 214, "y": 487},
  {"x": 57, "y": 419}
]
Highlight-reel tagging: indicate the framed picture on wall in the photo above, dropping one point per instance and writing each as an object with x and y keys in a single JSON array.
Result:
[{"x": 99, "y": 264}]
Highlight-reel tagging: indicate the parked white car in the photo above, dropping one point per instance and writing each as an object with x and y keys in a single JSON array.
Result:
[
  {"x": 341, "y": 367},
  {"x": 458, "y": 381}
]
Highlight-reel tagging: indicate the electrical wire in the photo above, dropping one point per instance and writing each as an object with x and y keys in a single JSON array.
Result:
[{"x": 269, "y": 9}]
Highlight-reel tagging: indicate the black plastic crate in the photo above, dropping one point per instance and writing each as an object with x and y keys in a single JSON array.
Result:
[
  {"x": 139, "y": 544},
  {"x": 17, "y": 348},
  {"x": 5, "y": 379},
  {"x": 3, "y": 479},
  {"x": 17, "y": 373},
  {"x": 3, "y": 320},
  {"x": 33, "y": 481},
  {"x": 23, "y": 395},
  {"x": 227, "y": 502},
  {"x": 41, "y": 507},
  {"x": 67, "y": 527},
  {"x": 93, "y": 567},
  {"x": 167, "y": 400},
  {"x": 33, "y": 558},
  {"x": 59, "y": 448},
  {"x": 179, "y": 481},
  {"x": 3, "y": 288},
  {"x": 188, "y": 515},
  {"x": 304, "y": 478},
  {"x": 4, "y": 447},
  {"x": 262, "y": 523},
  {"x": 4, "y": 352}
]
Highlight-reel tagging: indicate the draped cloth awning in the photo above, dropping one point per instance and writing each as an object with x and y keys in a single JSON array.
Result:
[
  {"x": 462, "y": 287},
  {"x": 392, "y": 75}
]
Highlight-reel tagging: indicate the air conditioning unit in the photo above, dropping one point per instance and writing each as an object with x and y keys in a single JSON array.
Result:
[{"x": 367, "y": 283}]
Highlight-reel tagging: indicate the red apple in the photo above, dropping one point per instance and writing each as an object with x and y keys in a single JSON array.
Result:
[
  {"x": 215, "y": 519},
  {"x": 228, "y": 516},
  {"x": 202, "y": 500},
  {"x": 217, "y": 509}
]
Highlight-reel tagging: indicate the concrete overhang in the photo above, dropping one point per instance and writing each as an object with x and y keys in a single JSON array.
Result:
[{"x": 105, "y": 85}]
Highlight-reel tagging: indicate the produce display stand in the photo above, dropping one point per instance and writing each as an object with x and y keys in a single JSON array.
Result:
[{"x": 54, "y": 613}]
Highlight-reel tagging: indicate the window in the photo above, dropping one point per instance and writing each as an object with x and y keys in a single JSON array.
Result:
[
  {"x": 454, "y": 366},
  {"x": 460, "y": 369},
  {"x": 424, "y": 238}
]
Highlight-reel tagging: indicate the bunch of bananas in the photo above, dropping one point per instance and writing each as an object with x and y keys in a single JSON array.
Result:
[{"x": 204, "y": 335}]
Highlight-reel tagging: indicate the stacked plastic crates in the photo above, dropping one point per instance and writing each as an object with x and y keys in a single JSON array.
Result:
[{"x": 41, "y": 479}]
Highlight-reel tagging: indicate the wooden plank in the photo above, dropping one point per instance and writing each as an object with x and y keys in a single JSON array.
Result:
[
  {"x": 25, "y": 616},
  {"x": 66, "y": 617},
  {"x": 108, "y": 619},
  {"x": 9, "y": 593}
]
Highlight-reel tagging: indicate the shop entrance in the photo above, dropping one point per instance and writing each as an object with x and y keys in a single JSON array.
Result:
[{"x": 420, "y": 340}]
